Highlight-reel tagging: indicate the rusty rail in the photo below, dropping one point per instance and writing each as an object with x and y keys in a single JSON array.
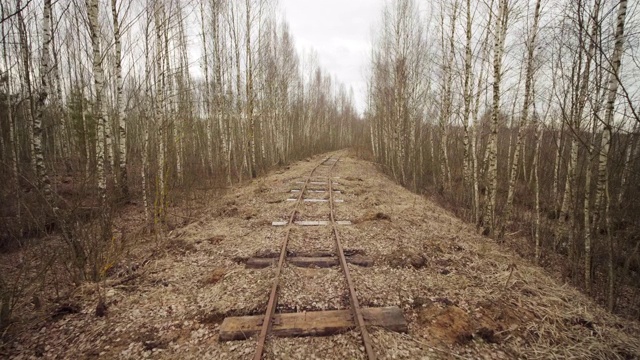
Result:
[
  {"x": 273, "y": 297},
  {"x": 355, "y": 304}
]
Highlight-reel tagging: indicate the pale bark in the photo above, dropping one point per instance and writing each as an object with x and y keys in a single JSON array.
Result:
[
  {"x": 630, "y": 153},
  {"x": 587, "y": 192},
  {"x": 556, "y": 167},
  {"x": 43, "y": 93},
  {"x": 249, "y": 92},
  {"x": 148, "y": 103},
  {"x": 98, "y": 74},
  {"x": 223, "y": 127},
  {"x": 119, "y": 113},
  {"x": 492, "y": 172},
  {"x": 159, "y": 113},
  {"x": 55, "y": 71},
  {"x": 524, "y": 116},
  {"x": 445, "y": 114},
  {"x": 468, "y": 84},
  {"x": 603, "y": 173},
  {"x": 13, "y": 153},
  {"x": 476, "y": 112},
  {"x": 209, "y": 144},
  {"x": 26, "y": 86},
  {"x": 536, "y": 159}
]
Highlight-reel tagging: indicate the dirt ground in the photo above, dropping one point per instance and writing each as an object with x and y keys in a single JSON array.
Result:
[{"x": 462, "y": 295}]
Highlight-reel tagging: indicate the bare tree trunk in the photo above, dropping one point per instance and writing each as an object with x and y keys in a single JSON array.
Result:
[
  {"x": 119, "y": 113},
  {"x": 160, "y": 115},
  {"x": 15, "y": 175},
  {"x": 98, "y": 74},
  {"x": 42, "y": 97},
  {"x": 556, "y": 168},
  {"x": 64, "y": 136},
  {"x": 445, "y": 114},
  {"x": 626, "y": 170},
  {"x": 536, "y": 159},
  {"x": 529, "y": 72},
  {"x": 474, "y": 128},
  {"x": 603, "y": 173},
  {"x": 223, "y": 127},
  {"x": 468, "y": 84},
  {"x": 26, "y": 84},
  {"x": 249, "y": 92},
  {"x": 595, "y": 29},
  {"x": 492, "y": 172},
  {"x": 209, "y": 144},
  {"x": 149, "y": 110}
]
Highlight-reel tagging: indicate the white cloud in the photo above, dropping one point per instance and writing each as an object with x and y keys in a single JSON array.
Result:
[{"x": 340, "y": 33}]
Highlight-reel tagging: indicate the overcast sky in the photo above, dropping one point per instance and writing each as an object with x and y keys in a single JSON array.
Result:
[{"x": 340, "y": 33}]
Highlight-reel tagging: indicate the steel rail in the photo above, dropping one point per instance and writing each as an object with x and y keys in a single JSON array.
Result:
[
  {"x": 273, "y": 297},
  {"x": 355, "y": 304}
]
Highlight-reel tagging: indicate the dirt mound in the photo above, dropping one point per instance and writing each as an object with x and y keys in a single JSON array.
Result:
[{"x": 404, "y": 258}]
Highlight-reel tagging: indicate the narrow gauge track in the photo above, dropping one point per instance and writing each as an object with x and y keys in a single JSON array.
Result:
[
  {"x": 390, "y": 317},
  {"x": 353, "y": 299}
]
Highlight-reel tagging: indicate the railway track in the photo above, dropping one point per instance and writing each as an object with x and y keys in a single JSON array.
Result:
[{"x": 315, "y": 323}]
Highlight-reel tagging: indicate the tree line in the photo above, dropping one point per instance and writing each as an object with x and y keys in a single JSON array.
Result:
[
  {"x": 523, "y": 114},
  {"x": 131, "y": 99},
  {"x": 108, "y": 105}
]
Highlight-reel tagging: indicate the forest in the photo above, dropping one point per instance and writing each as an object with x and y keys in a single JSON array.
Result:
[{"x": 519, "y": 116}]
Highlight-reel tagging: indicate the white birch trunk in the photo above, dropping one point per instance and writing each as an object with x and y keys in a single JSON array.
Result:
[
  {"x": 603, "y": 173},
  {"x": 98, "y": 74},
  {"x": 15, "y": 176},
  {"x": 159, "y": 110},
  {"x": 26, "y": 87},
  {"x": 466, "y": 113},
  {"x": 119, "y": 113},
  {"x": 492, "y": 172},
  {"x": 43, "y": 93},
  {"x": 529, "y": 71}
]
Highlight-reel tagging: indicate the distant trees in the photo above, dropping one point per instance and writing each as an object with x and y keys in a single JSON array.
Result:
[
  {"x": 105, "y": 102},
  {"x": 507, "y": 168}
]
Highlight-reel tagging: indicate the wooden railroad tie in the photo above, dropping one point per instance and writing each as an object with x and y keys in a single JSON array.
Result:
[
  {"x": 313, "y": 323},
  {"x": 308, "y": 262},
  {"x": 311, "y": 223},
  {"x": 316, "y": 191},
  {"x": 316, "y": 183},
  {"x": 315, "y": 200}
]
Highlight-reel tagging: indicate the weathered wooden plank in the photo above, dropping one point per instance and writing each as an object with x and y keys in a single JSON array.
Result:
[
  {"x": 314, "y": 323},
  {"x": 316, "y": 182},
  {"x": 319, "y": 262},
  {"x": 311, "y": 223},
  {"x": 343, "y": 222},
  {"x": 316, "y": 200},
  {"x": 260, "y": 263},
  {"x": 360, "y": 260},
  {"x": 307, "y": 262},
  {"x": 315, "y": 191},
  {"x": 316, "y": 253}
]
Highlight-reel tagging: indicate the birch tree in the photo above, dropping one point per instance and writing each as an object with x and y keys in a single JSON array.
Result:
[
  {"x": 119, "y": 104},
  {"x": 492, "y": 173},
  {"x": 524, "y": 115},
  {"x": 98, "y": 75},
  {"x": 603, "y": 173}
]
